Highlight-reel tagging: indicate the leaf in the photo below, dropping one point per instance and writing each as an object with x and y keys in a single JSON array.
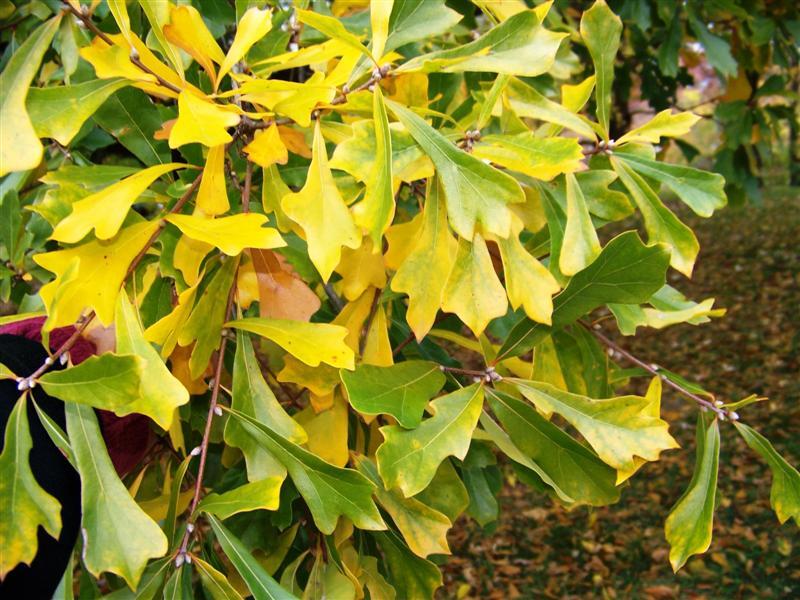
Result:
[
  {"x": 312, "y": 343},
  {"x": 320, "y": 210},
  {"x": 411, "y": 576},
  {"x": 360, "y": 269},
  {"x": 201, "y": 121},
  {"x": 660, "y": 222},
  {"x": 24, "y": 505},
  {"x": 20, "y": 148},
  {"x": 158, "y": 14},
  {"x": 704, "y": 192},
  {"x": 653, "y": 408},
  {"x": 375, "y": 212},
  {"x": 261, "y": 585},
  {"x": 253, "y": 397},
  {"x": 212, "y": 196},
  {"x": 626, "y": 272},
  {"x": 664, "y": 124},
  {"x": 230, "y": 234},
  {"x": 332, "y": 28},
  {"x": 214, "y": 582},
  {"x": 101, "y": 269},
  {"x": 117, "y": 535},
  {"x": 617, "y": 428},
  {"x": 263, "y": 494},
  {"x": 414, "y": 20},
  {"x": 59, "y": 112},
  {"x": 528, "y": 283},
  {"x": 267, "y": 148},
  {"x": 408, "y": 459},
  {"x": 329, "y": 491},
  {"x": 689, "y": 524},
  {"x": 542, "y": 158},
  {"x": 520, "y": 45},
  {"x": 473, "y": 290},
  {"x": 785, "y": 493},
  {"x": 423, "y": 528},
  {"x": 525, "y": 101},
  {"x": 253, "y": 26},
  {"x": 105, "y": 211},
  {"x": 187, "y": 30},
  {"x": 282, "y": 293},
  {"x": 327, "y": 429},
  {"x": 601, "y": 30},
  {"x": 379, "y": 14},
  {"x": 327, "y": 581},
  {"x": 603, "y": 201},
  {"x": 476, "y": 194},
  {"x": 580, "y": 245},
  {"x": 402, "y": 390},
  {"x": 716, "y": 48}
]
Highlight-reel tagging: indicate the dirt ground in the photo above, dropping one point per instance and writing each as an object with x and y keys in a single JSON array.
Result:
[{"x": 750, "y": 262}]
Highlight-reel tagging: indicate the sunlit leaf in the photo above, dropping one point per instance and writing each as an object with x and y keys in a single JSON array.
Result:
[
  {"x": 601, "y": 30},
  {"x": 230, "y": 234}
]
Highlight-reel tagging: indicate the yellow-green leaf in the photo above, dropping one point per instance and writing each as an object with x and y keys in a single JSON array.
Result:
[
  {"x": 263, "y": 494},
  {"x": 117, "y": 535},
  {"x": 332, "y": 28},
  {"x": 253, "y": 26},
  {"x": 473, "y": 290},
  {"x": 214, "y": 582},
  {"x": 601, "y": 30},
  {"x": 379, "y": 14},
  {"x": 212, "y": 196},
  {"x": 201, "y": 121},
  {"x": 542, "y": 158},
  {"x": 24, "y": 505},
  {"x": 312, "y": 343},
  {"x": 20, "y": 148},
  {"x": 158, "y": 14},
  {"x": 525, "y": 101},
  {"x": 664, "y": 124},
  {"x": 105, "y": 211},
  {"x": 408, "y": 459},
  {"x": 580, "y": 245},
  {"x": 320, "y": 210},
  {"x": 617, "y": 428},
  {"x": 230, "y": 234}
]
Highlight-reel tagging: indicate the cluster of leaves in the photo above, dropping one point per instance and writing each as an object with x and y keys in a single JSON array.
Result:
[
  {"x": 751, "y": 92},
  {"x": 441, "y": 187}
]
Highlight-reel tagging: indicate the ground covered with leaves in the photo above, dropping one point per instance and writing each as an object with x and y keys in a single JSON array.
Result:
[{"x": 750, "y": 262}]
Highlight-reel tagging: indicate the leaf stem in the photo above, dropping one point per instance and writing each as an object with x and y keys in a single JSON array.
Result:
[{"x": 248, "y": 181}]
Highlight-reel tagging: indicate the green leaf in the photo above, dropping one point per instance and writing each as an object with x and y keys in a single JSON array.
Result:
[
  {"x": 329, "y": 491},
  {"x": 601, "y": 30},
  {"x": 59, "y": 112},
  {"x": 580, "y": 245},
  {"x": 253, "y": 397},
  {"x": 718, "y": 50},
  {"x": 785, "y": 493},
  {"x": 520, "y": 45},
  {"x": 11, "y": 225},
  {"x": 602, "y": 201},
  {"x": 689, "y": 524},
  {"x": 214, "y": 582},
  {"x": 542, "y": 158},
  {"x": 402, "y": 390},
  {"x": 412, "y": 576},
  {"x": 20, "y": 148},
  {"x": 24, "y": 505},
  {"x": 160, "y": 392},
  {"x": 476, "y": 194},
  {"x": 626, "y": 272},
  {"x": 326, "y": 581},
  {"x": 660, "y": 222},
  {"x": 446, "y": 492},
  {"x": 423, "y": 528},
  {"x": 332, "y": 28},
  {"x": 262, "y": 586},
  {"x": 118, "y": 536},
  {"x": 414, "y": 20},
  {"x": 617, "y": 428},
  {"x": 525, "y": 101},
  {"x": 376, "y": 211},
  {"x": 179, "y": 585},
  {"x": 408, "y": 459},
  {"x": 263, "y": 494},
  {"x": 575, "y": 473},
  {"x": 312, "y": 343},
  {"x": 704, "y": 192},
  {"x": 669, "y": 308}
]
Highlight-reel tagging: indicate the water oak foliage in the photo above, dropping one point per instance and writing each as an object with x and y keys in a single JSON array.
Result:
[{"x": 348, "y": 256}]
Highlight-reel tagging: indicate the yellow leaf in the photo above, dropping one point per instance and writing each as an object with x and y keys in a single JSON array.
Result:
[
  {"x": 664, "y": 124},
  {"x": 201, "y": 121},
  {"x": 230, "y": 234},
  {"x": 188, "y": 257},
  {"x": 653, "y": 409},
  {"x": 119, "y": 11},
  {"x": 361, "y": 268},
  {"x": 253, "y": 26},
  {"x": 321, "y": 380},
  {"x": 379, "y": 13},
  {"x": 20, "y": 148},
  {"x": 333, "y": 28},
  {"x": 377, "y": 347},
  {"x": 581, "y": 245},
  {"x": 528, "y": 282},
  {"x": 289, "y": 98},
  {"x": 105, "y": 211},
  {"x": 401, "y": 239},
  {"x": 473, "y": 291},
  {"x": 188, "y": 31},
  {"x": 295, "y": 141},
  {"x": 212, "y": 197},
  {"x": 423, "y": 275},
  {"x": 267, "y": 148},
  {"x": 165, "y": 331},
  {"x": 101, "y": 269},
  {"x": 113, "y": 61},
  {"x": 352, "y": 317},
  {"x": 313, "y": 343},
  {"x": 327, "y": 431},
  {"x": 320, "y": 210}
]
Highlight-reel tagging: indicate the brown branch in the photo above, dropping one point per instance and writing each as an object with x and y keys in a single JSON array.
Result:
[
  {"x": 403, "y": 344},
  {"x": 653, "y": 370},
  {"x": 373, "y": 310},
  {"x": 248, "y": 181}
]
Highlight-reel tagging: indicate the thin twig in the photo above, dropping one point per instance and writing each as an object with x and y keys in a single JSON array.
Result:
[
  {"x": 409, "y": 338},
  {"x": 653, "y": 370},
  {"x": 248, "y": 182},
  {"x": 373, "y": 310},
  {"x": 336, "y": 301}
]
